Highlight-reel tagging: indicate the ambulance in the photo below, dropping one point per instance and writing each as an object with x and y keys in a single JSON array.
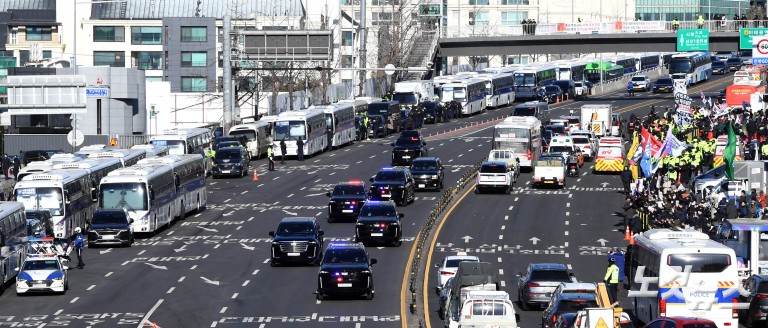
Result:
[
  {"x": 610, "y": 155},
  {"x": 722, "y": 141}
]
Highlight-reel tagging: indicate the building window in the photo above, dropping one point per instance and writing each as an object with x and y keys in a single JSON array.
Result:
[
  {"x": 108, "y": 34},
  {"x": 109, "y": 58},
  {"x": 479, "y": 2},
  {"x": 481, "y": 18},
  {"x": 347, "y": 38},
  {"x": 23, "y": 57},
  {"x": 47, "y": 54},
  {"x": 194, "y": 34},
  {"x": 14, "y": 35},
  {"x": 39, "y": 34},
  {"x": 514, "y": 2},
  {"x": 193, "y": 84},
  {"x": 194, "y": 59},
  {"x": 347, "y": 61},
  {"x": 513, "y": 17},
  {"x": 148, "y": 60},
  {"x": 146, "y": 35}
]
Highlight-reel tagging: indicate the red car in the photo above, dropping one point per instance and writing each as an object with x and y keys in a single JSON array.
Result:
[{"x": 681, "y": 322}]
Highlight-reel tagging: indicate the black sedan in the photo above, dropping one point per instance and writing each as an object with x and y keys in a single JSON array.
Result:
[
  {"x": 428, "y": 173},
  {"x": 734, "y": 63},
  {"x": 379, "y": 222},
  {"x": 663, "y": 84},
  {"x": 719, "y": 67},
  {"x": 551, "y": 93},
  {"x": 346, "y": 200}
]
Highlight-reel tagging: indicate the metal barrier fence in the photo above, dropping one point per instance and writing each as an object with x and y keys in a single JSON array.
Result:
[
  {"x": 417, "y": 264},
  {"x": 13, "y": 143}
]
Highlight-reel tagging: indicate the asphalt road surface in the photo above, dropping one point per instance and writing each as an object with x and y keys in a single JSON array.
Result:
[{"x": 212, "y": 269}]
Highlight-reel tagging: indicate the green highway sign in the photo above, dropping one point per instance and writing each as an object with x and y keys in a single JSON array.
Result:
[
  {"x": 746, "y": 34},
  {"x": 694, "y": 40}
]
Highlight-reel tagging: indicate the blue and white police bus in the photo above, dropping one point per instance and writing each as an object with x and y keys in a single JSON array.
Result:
[
  {"x": 189, "y": 176},
  {"x": 340, "y": 118},
  {"x": 308, "y": 124},
  {"x": 694, "y": 67},
  {"x": 499, "y": 89},
  {"x": 470, "y": 93}
]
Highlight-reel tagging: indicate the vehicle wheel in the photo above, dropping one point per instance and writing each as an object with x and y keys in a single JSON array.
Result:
[
  {"x": 320, "y": 297},
  {"x": 523, "y": 306},
  {"x": 477, "y": 190},
  {"x": 440, "y": 186},
  {"x": 133, "y": 240},
  {"x": 369, "y": 296},
  {"x": 397, "y": 243},
  {"x": 509, "y": 190},
  {"x": 272, "y": 263},
  {"x": 330, "y": 219},
  {"x": 198, "y": 208},
  {"x": 183, "y": 213}
]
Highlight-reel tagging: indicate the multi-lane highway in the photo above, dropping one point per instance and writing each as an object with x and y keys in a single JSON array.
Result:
[{"x": 212, "y": 269}]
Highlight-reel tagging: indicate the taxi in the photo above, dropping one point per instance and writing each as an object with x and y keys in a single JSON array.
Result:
[{"x": 42, "y": 273}]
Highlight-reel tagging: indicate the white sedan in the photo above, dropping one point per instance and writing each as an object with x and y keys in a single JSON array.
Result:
[{"x": 450, "y": 264}]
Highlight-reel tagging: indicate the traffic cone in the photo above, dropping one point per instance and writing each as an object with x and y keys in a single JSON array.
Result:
[
  {"x": 631, "y": 239},
  {"x": 255, "y": 175},
  {"x": 627, "y": 235}
]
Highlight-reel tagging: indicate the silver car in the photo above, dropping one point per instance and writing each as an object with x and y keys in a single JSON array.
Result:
[
  {"x": 539, "y": 281},
  {"x": 448, "y": 267}
]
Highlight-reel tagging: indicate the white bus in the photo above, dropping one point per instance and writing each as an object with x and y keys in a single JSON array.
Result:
[
  {"x": 259, "y": 135},
  {"x": 308, "y": 124},
  {"x": 97, "y": 168},
  {"x": 127, "y": 157},
  {"x": 340, "y": 118},
  {"x": 522, "y": 135},
  {"x": 694, "y": 67},
  {"x": 47, "y": 165},
  {"x": 66, "y": 194},
  {"x": 148, "y": 192},
  {"x": 499, "y": 89},
  {"x": 189, "y": 177},
  {"x": 665, "y": 254},
  {"x": 13, "y": 239},
  {"x": 152, "y": 150},
  {"x": 184, "y": 141},
  {"x": 470, "y": 93},
  {"x": 571, "y": 69}
]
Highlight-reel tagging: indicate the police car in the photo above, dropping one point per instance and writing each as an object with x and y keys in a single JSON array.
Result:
[{"x": 42, "y": 273}]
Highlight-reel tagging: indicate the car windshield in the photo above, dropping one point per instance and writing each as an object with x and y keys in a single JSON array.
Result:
[
  {"x": 109, "y": 218},
  {"x": 228, "y": 154},
  {"x": 405, "y": 98},
  {"x": 175, "y": 147},
  {"x": 454, "y": 263},
  {"x": 290, "y": 130},
  {"x": 423, "y": 165},
  {"x": 580, "y": 140},
  {"x": 131, "y": 196},
  {"x": 700, "y": 263},
  {"x": 390, "y": 176},
  {"x": 524, "y": 111},
  {"x": 41, "y": 265},
  {"x": 493, "y": 168},
  {"x": 377, "y": 210},
  {"x": 574, "y": 120},
  {"x": 338, "y": 256},
  {"x": 43, "y": 199},
  {"x": 348, "y": 190},
  {"x": 249, "y": 134},
  {"x": 226, "y": 144},
  {"x": 571, "y": 306},
  {"x": 295, "y": 228},
  {"x": 407, "y": 141},
  {"x": 638, "y": 79},
  {"x": 560, "y": 149},
  {"x": 664, "y": 81},
  {"x": 734, "y": 60},
  {"x": 700, "y": 325},
  {"x": 550, "y": 275},
  {"x": 552, "y": 88},
  {"x": 378, "y": 109},
  {"x": 718, "y": 64}
]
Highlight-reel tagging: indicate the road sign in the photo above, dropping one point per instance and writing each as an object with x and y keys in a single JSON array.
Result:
[
  {"x": 760, "y": 50},
  {"x": 693, "y": 40},
  {"x": 746, "y": 35},
  {"x": 96, "y": 92},
  {"x": 390, "y": 69},
  {"x": 75, "y": 138}
]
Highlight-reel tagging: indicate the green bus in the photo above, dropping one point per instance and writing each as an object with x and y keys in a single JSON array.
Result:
[{"x": 610, "y": 71}]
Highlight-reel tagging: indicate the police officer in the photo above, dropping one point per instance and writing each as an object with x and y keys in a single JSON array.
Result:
[
  {"x": 78, "y": 245},
  {"x": 270, "y": 158},
  {"x": 675, "y": 24},
  {"x": 283, "y": 150},
  {"x": 612, "y": 279},
  {"x": 365, "y": 128},
  {"x": 300, "y": 150},
  {"x": 329, "y": 136},
  {"x": 626, "y": 179}
]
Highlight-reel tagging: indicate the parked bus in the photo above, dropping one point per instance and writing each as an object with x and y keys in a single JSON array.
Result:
[
  {"x": 97, "y": 168},
  {"x": 694, "y": 67},
  {"x": 184, "y": 141},
  {"x": 340, "y": 118},
  {"x": 531, "y": 77},
  {"x": 684, "y": 263},
  {"x": 571, "y": 70},
  {"x": 258, "y": 134},
  {"x": 148, "y": 192},
  {"x": 597, "y": 72},
  {"x": 469, "y": 93},
  {"x": 47, "y": 165},
  {"x": 127, "y": 157},
  {"x": 627, "y": 62},
  {"x": 66, "y": 194},
  {"x": 13, "y": 239},
  {"x": 499, "y": 89},
  {"x": 647, "y": 60},
  {"x": 152, "y": 150},
  {"x": 189, "y": 177},
  {"x": 308, "y": 124},
  {"x": 522, "y": 135}
]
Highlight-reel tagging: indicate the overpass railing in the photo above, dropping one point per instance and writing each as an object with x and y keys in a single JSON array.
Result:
[{"x": 617, "y": 27}]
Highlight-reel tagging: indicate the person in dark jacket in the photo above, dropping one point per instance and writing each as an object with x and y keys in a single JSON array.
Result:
[
  {"x": 329, "y": 136},
  {"x": 626, "y": 179},
  {"x": 6, "y": 164},
  {"x": 300, "y": 150},
  {"x": 283, "y": 150},
  {"x": 731, "y": 212}
]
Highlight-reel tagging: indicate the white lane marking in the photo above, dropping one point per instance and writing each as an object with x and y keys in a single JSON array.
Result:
[
  {"x": 234, "y": 296},
  {"x": 302, "y": 188},
  {"x": 318, "y": 180},
  {"x": 460, "y": 155},
  {"x": 332, "y": 173},
  {"x": 250, "y": 219},
  {"x": 193, "y": 267},
  {"x": 170, "y": 233},
  {"x": 578, "y": 180},
  {"x": 276, "y": 178},
  {"x": 567, "y": 204},
  {"x": 569, "y": 267},
  {"x": 149, "y": 313},
  {"x": 317, "y": 302},
  {"x": 289, "y": 196},
  {"x": 126, "y": 262},
  {"x": 223, "y": 309},
  {"x": 170, "y": 290},
  {"x": 501, "y": 237},
  {"x": 108, "y": 274},
  {"x": 182, "y": 278},
  {"x": 246, "y": 283},
  {"x": 142, "y": 252},
  {"x": 213, "y": 324},
  {"x": 498, "y": 259},
  {"x": 265, "y": 261},
  {"x": 206, "y": 255},
  {"x": 74, "y": 300},
  {"x": 217, "y": 246},
  {"x": 567, "y": 255},
  {"x": 506, "y": 217},
  {"x": 501, "y": 271},
  {"x": 566, "y": 244},
  {"x": 567, "y": 213},
  {"x": 58, "y": 312},
  {"x": 527, "y": 183},
  {"x": 372, "y": 156},
  {"x": 244, "y": 191},
  {"x": 238, "y": 227},
  {"x": 567, "y": 222},
  {"x": 566, "y": 232},
  {"x": 511, "y": 207},
  {"x": 503, "y": 283},
  {"x": 570, "y": 195},
  {"x": 228, "y": 199},
  {"x": 358, "y": 162},
  {"x": 585, "y": 173},
  {"x": 92, "y": 287},
  {"x": 516, "y": 198},
  {"x": 255, "y": 272},
  {"x": 503, "y": 227}
]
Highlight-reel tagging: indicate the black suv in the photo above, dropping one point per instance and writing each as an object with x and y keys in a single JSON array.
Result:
[
  {"x": 345, "y": 270},
  {"x": 408, "y": 146},
  {"x": 242, "y": 140},
  {"x": 379, "y": 222},
  {"x": 297, "y": 240},
  {"x": 566, "y": 303},
  {"x": 757, "y": 286},
  {"x": 428, "y": 173},
  {"x": 393, "y": 184},
  {"x": 233, "y": 161},
  {"x": 346, "y": 200},
  {"x": 433, "y": 112},
  {"x": 110, "y": 227}
]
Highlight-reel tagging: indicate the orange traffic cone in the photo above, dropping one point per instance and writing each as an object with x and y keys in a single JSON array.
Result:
[
  {"x": 631, "y": 239},
  {"x": 627, "y": 235},
  {"x": 255, "y": 176}
]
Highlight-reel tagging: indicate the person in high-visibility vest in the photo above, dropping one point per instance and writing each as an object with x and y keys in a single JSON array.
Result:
[
  {"x": 612, "y": 280},
  {"x": 270, "y": 159}
]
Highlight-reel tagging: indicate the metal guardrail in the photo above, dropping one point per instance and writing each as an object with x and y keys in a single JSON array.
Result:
[{"x": 422, "y": 238}]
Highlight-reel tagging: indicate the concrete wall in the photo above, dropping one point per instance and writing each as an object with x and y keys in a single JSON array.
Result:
[{"x": 173, "y": 48}]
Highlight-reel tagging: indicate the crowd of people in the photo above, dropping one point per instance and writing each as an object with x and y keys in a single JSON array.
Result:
[{"x": 666, "y": 196}]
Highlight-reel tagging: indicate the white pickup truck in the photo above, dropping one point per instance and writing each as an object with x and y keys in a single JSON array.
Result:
[
  {"x": 495, "y": 176},
  {"x": 580, "y": 90},
  {"x": 488, "y": 309},
  {"x": 549, "y": 171},
  {"x": 509, "y": 157}
]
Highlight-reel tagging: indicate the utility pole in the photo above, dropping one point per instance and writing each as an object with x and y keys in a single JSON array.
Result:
[
  {"x": 227, "y": 87},
  {"x": 362, "y": 35}
]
